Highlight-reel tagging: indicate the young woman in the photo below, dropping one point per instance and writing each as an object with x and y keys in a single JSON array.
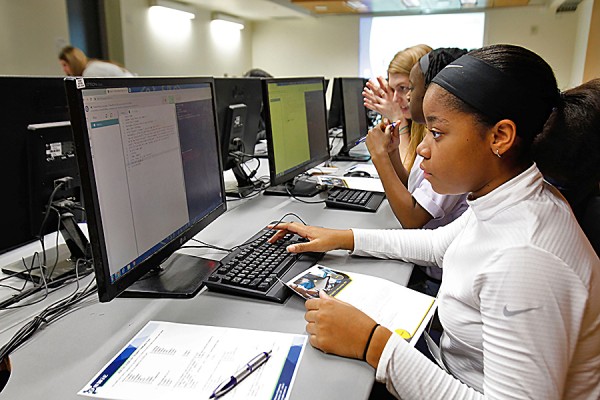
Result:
[
  {"x": 388, "y": 98},
  {"x": 74, "y": 62},
  {"x": 519, "y": 303},
  {"x": 411, "y": 197}
]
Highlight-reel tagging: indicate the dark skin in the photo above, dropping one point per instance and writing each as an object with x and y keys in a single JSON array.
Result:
[
  {"x": 460, "y": 156},
  {"x": 416, "y": 81}
]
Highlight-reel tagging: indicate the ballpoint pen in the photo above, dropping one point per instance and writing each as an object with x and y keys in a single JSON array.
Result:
[
  {"x": 362, "y": 139},
  {"x": 240, "y": 375}
]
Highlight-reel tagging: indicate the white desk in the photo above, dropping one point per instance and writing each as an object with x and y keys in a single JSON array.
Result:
[{"x": 61, "y": 359}]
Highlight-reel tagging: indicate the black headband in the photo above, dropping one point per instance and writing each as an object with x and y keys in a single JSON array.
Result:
[{"x": 495, "y": 94}]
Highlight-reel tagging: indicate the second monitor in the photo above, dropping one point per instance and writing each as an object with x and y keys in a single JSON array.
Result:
[
  {"x": 239, "y": 102},
  {"x": 296, "y": 132},
  {"x": 347, "y": 111}
]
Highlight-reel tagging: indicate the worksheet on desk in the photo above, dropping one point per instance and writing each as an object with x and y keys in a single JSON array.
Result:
[{"x": 169, "y": 360}]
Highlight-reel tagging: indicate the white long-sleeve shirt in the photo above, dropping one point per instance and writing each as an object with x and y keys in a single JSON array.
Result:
[{"x": 519, "y": 303}]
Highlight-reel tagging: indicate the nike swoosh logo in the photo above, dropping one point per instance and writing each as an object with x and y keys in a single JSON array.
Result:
[{"x": 512, "y": 313}]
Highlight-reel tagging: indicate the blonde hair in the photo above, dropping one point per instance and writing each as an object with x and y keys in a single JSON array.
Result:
[
  {"x": 76, "y": 59},
  {"x": 402, "y": 63}
]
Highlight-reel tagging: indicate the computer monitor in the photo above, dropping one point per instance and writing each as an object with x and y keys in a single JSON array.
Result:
[
  {"x": 239, "y": 103},
  {"x": 151, "y": 176},
  {"x": 38, "y": 150},
  {"x": 347, "y": 111},
  {"x": 297, "y": 136}
]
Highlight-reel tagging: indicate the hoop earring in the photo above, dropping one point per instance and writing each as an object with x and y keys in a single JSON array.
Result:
[{"x": 498, "y": 153}]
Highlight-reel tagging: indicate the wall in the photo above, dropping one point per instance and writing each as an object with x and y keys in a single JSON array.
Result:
[
  {"x": 32, "y": 32},
  {"x": 539, "y": 29},
  {"x": 592, "y": 61},
  {"x": 186, "y": 48},
  {"x": 329, "y": 45},
  {"x": 324, "y": 46}
]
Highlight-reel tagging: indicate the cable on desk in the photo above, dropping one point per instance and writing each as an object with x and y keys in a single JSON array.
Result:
[
  {"x": 50, "y": 314},
  {"x": 207, "y": 245}
]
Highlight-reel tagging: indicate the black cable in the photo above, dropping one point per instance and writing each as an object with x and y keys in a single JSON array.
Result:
[
  {"x": 50, "y": 314},
  {"x": 46, "y": 214},
  {"x": 211, "y": 245}
]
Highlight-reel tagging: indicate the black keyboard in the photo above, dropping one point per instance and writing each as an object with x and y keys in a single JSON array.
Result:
[
  {"x": 254, "y": 268},
  {"x": 354, "y": 199}
]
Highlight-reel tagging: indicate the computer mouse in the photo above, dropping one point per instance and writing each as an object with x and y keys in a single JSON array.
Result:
[{"x": 361, "y": 174}]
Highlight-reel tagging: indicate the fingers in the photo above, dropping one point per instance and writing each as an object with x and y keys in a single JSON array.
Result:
[
  {"x": 302, "y": 247},
  {"x": 283, "y": 228}
]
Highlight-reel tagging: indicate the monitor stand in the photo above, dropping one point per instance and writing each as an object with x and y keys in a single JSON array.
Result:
[
  {"x": 244, "y": 187},
  {"x": 346, "y": 156},
  {"x": 179, "y": 276},
  {"x": 76, "y": 247},
  {"x": 300, "y": 189}
]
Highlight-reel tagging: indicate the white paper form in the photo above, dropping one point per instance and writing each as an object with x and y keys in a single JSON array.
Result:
[
  {"x": 398, "y": 308},
  {"x": 180, "y": 361}
]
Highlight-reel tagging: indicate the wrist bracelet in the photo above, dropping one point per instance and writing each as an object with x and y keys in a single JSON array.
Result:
[
  {"x": 404, "y": 128},
  {"x": 364, "y": 357}
]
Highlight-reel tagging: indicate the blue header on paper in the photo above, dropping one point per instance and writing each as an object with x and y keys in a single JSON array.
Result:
[{"x": 287, "y": 372}]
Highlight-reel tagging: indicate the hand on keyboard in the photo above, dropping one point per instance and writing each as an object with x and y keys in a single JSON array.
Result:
[
  {"x": 320, "y": 239},
  {"x": 255, "y": 267}
]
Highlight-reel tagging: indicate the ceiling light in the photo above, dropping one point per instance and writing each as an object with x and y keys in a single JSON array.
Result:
[
  {"x": 468, "y": 3},
  {"x": 357, "y": 5},
  {"x": 227, "y": 20},
  {"x": 411, "y": 3},
  {"x": 173, "y": 8}
]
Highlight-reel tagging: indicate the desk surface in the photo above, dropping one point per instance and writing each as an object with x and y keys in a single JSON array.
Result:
[{"x": 60, "y": 359}]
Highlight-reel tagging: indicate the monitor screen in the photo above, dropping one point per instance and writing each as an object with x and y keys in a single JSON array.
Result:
[
  {"x": 348, "y": 112},
  {"x": 38, "y": 148},
  {"x": 151, "y": 175},
  {"x": 296, "y": 126}
]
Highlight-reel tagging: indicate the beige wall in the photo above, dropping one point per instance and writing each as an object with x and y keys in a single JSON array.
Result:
[
  {"x": 539, "y": 29},
  {"x": 189, "y": 49},
  {"x": 592, "y": 61},
  {"x": 32, "y": 32},
  {"x": 329, "y": 45},
  {"x": 324, "y": 46}
]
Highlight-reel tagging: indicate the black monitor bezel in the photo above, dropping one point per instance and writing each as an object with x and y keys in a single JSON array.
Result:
[
  {"x": 107, "y": 290},
  {"x": 348, "y": 144},
  {"x": 280, "y": 179}
]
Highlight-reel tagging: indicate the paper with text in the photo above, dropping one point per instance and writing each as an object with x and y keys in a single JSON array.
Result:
[{"x": 169, "y": 360}]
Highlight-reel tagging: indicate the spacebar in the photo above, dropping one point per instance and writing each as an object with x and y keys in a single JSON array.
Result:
[{"x": 285, "y": 263}]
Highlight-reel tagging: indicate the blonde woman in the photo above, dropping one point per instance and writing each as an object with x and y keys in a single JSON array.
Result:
[
  {"x": 389, "y": 98},
  {"x": 74, "y": 62}
]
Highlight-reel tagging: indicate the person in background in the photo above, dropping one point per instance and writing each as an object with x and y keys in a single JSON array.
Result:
[
  {"x": 389, "y": 98},
  {"x": 74, "y": 62},
  {"x": 520, "y": 304},
  {"x": 257, "y": 73},
  {"x": 569, "y": 155}
]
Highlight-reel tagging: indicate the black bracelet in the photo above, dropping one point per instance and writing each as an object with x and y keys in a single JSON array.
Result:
[{"x": 364, "y": 357}]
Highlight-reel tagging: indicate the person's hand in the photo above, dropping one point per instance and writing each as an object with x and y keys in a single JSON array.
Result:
[
  {"x": 379, "y": 97},
  {"x": 383, "y": 139},
  {"x": 337, "y": 327},
  {"x": 320, "y": 239}
]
